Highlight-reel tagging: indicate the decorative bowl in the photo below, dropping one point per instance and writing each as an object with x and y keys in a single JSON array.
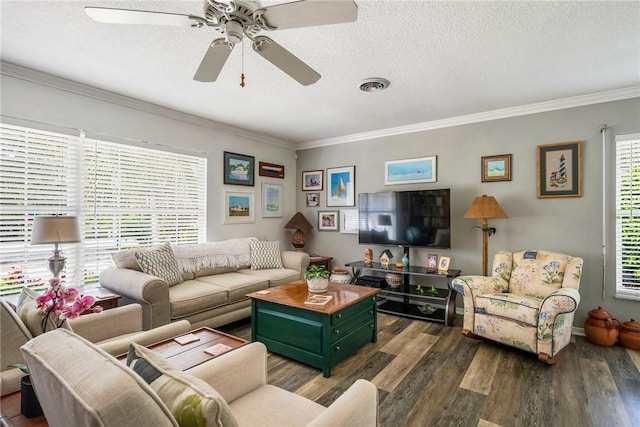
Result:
[{"x": 394, "y": 280}]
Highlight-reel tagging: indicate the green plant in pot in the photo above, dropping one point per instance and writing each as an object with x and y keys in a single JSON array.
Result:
[
  {"x": 317, "y": 278},
  {"x": 29, "y": 403}
]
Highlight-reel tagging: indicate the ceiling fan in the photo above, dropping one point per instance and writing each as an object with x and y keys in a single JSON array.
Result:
[{"x": 236, "y": 19}]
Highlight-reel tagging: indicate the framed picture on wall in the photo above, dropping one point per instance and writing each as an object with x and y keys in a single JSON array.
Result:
[
  {"x": 328, "y": 220},
  {"x": 238, "y": 207},
  {"x": 312, "y": 180},
  {"x": 313, "y": 200},
  {"x": 238, "y": 169},
  {"x": 349, "y": 221},
  {"x": 341, "y": 186},
  {"x": 410, "y": 171},
  {"x": 560, "y": 170},
  {"x": 496, "y": 168},
  {"x": 270, "y": 170},
  {"x": 272, "y": 200}
]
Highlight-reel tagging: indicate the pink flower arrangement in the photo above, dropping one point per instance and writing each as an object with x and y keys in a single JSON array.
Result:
[{"x": 59, "y": 303}]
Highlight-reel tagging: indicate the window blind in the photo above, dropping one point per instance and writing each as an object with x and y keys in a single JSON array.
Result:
[
  {"x": 124, "y": 197},
  {"x": 627, "y": 228}
]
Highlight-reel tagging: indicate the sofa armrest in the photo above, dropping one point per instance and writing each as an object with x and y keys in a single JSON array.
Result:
[
  {"x": 151, "y": 292},
  {"x": 236, "y": 373},
  {"x": 96, "y": 327},
  {"x": 119, "y": 345},
  {"x": 358, "y": 406},
  {"x": 293, "y": 260}
]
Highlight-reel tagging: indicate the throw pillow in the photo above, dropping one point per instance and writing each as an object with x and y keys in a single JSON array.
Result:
[
  {"x": 160, "y": 262},
  {"x": 265, "y": 255},
  {"x": 27, "y": 310},
  {"x": 191, "y": 401},
  {"x": 126, "y": 259}
]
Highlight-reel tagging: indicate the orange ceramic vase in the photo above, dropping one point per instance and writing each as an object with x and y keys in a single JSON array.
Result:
[
  {"x": 630, "y": 335},
  {"x": 601, "y": 328}
]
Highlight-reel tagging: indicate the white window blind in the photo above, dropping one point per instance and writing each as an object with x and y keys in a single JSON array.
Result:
[
  {"x": 627, "y": 231},
  {"x": 124, "y": 196}
]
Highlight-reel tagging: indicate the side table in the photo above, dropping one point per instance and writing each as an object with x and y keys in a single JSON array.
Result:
[
  {"x": 321, "y": 260},
  {"x": 104, "y": 297}
]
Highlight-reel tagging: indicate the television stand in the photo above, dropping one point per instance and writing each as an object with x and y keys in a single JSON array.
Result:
[{"x": 415, "y": 298}]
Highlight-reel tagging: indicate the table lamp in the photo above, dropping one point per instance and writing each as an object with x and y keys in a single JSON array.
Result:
[
  {"x": 299, "y": 223},
  {"x": 485, "y": 207},
  {"x": 55, "y": 229}
]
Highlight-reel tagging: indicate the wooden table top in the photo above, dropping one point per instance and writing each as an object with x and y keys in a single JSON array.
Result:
[{"x": 296, "y": 293}]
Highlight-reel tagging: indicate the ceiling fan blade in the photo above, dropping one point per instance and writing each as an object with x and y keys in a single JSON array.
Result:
[
  {"x": 213, "y": 61},
  {"x": 126, "y": 16},
  {"x": 285, "y": 60},
  {"x": 308, "y": 13}
]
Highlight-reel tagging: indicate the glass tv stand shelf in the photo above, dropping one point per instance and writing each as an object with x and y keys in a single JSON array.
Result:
[{"x": 419, "y": 296}]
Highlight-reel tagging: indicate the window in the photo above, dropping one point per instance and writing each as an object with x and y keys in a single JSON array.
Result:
[
  {"x": 124, "y": 196},
  {"x": 627, "y": 228}
]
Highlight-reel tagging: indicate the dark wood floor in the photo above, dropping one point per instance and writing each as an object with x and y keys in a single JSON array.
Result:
[{"x": 430, "y": 375}]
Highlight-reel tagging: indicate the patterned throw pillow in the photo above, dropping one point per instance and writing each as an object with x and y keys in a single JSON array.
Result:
[
  {"x": 27, "y": 310},
  {"x": 191, "y": 401},
  {"x": 265, "y": 255},
  {"x": 160, "y": 262}
]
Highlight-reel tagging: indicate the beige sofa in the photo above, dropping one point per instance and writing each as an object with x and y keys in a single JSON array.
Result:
[
  {"x": 216, "y": 277},
  {"x": 113, "y": 330},
  {"x": 230, "y": 390}
]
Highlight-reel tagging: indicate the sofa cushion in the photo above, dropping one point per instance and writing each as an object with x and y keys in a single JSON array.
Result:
[
  {"x": 276, "y": 276},
  {"x": 537, "y": 273},
  {"x": 160, "y": 262},
  {"x": 265, "y": 255},
  {"x": 126, "y": 259},
  {"x": 191, "y": 401},
  {"x": 236, "y": 284},
  {"x": 510, "y": 306},
  {"x": 28, "y": 312},
  {"x": 194, "y": 296}
]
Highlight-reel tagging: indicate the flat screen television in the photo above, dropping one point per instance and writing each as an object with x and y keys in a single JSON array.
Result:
[{"x": 405, "y": 218}]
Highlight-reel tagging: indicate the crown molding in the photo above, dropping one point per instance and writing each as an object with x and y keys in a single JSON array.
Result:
[
  {"x": 28, "y": 74},
  {"x": 541, "y": 107}
]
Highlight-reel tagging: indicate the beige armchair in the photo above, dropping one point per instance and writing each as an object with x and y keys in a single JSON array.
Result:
[
  {"x": 113, "y": 330},
  {"x": 529, "y": 301},
  {"x": 230, "y": 390}
]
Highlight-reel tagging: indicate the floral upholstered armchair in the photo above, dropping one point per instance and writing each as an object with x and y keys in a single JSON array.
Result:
[{"x": 528, "y": 302}]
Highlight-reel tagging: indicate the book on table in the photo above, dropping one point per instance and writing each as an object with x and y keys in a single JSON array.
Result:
[
  {"x": 217, "y": 349},
  {"x": 318, "y": 299}
]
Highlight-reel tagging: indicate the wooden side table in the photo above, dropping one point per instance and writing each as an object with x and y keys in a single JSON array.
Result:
[
  {"x": 104, "y": 298},
  {"x": 321, "y": 260}
]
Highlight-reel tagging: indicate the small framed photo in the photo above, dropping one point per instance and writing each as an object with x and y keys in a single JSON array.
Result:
[
  {"x": 443, "y": 265},
  {"x": 238, "y": 169},
  {"x": 238, "y": 207},
  {"x": 349, "y": 221},
  {"x": 328, "y": 221},
  {"x": 313, "y": 200},
  {"x": 410, "y": 171},
  {"x": 560, "y": 170},
  {"x": 496, "y": 168},
  {"x": 432, "y": 262},
  {"x": 272, "y": 200},
  {"x": 270, "y": 170},
  {"x": 341, "y": 186},
  {"x": 312, "y": 180}
]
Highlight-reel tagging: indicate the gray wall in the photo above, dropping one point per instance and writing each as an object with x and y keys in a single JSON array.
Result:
[
  {"x": 70, "y": 108},
  {"x": 568, "y": 225}
]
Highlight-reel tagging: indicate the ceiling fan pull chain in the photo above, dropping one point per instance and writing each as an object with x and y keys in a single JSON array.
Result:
[{"x": 242, "y": 67}]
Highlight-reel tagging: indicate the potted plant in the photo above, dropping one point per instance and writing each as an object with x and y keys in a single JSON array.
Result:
[
  {"x": 317, "y": 278},
  {"x": 29, "y": 403}
]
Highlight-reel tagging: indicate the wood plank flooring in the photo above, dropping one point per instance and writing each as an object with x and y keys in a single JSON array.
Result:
[{"x": 430, "y": 375}]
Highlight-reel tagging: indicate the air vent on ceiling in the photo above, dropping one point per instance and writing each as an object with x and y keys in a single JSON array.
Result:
[{"x": 374, "y": 84}]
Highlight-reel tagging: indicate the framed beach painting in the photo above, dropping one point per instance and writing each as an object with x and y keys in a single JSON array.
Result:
[
  {"x": 341, "y": 186},
  {"x": 238, "y": 207},
  {"x": 312, "y": 180},
  {"x": 272, "y": 200},
  {"x": 270, "y": 170},
  {"x": 410, "y": 171},
  {"x": 560, "y": 170},
  {"x": 496, "y": 168},
  {"x": 238, "y": 169}
]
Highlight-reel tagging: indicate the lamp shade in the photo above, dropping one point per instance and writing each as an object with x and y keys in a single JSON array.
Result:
[
  {"x": 485, "y": 207},
  {"x": 384, "y": 219},
  {"x": 55, "y": 229},
  {"x": 298, "y": 222}
]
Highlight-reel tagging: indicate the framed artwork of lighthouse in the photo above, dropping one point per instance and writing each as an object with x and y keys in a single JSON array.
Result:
[
  {"x": 560, "y": 170},
  {"x": 341, "y": 186}
]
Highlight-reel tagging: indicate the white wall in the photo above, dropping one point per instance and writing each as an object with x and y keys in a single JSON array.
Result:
[
  {"x": 62, "y": 107},
  {"x": 568, "y": 225}
]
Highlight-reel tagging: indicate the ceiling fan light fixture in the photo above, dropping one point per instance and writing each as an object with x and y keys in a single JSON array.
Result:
[
  {"x": 374, "y": 84},
  {"x": 234, "y": 32}
]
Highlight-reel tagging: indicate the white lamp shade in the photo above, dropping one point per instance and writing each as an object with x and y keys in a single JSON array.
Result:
[{"x": 55, "y": 229}]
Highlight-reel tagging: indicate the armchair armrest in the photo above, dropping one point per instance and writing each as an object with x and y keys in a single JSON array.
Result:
[
  {"x": 479, "y": 285},
  {"x": 563, "y": 300},
  {"x": 151, "y": 292},
  {"x": 236, "y": 373},
  {"x": 96, "y": 327},
  {"x": 298, "y": 261},
  {"x": 358, "y": 406}
]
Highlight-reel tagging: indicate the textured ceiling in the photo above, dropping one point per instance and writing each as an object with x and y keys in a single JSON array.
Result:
[{"x": 444, "y": 59}]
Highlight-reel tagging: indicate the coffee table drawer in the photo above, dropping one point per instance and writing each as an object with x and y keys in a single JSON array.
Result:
[
  {"x": 353, "y": 341},
  {"x": 348, "y": 326},
  {"x": 366, "y": 305}
]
